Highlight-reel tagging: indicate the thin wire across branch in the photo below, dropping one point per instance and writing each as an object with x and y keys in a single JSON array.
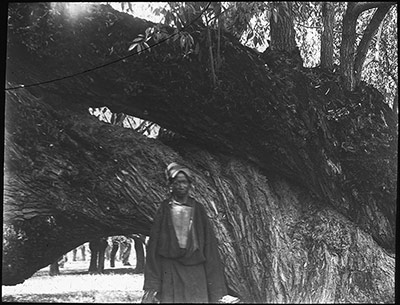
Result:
[{"x": 111, "y": 62}]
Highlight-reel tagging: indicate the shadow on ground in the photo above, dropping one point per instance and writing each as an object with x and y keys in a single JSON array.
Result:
[
  {"x": 123, "y": 270},
  {"x": 74, "y": 284},
  {"x": 114, "y": 285},
  {"x": 75, "y": 297}
]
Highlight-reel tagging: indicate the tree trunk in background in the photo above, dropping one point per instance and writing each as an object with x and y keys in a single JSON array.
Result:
[
  {"x": 327, "y": 46},
  {"x": 83, "y": 251},
  {"x": 93, "y": 266},
  {"x": 293, "y": 192},
  {"x": 54, "y": 268},
  {"x": 97, "y": 255},
  {"x": 348, "y": 47},
  {"x": 101, "y": 255},
  {"x": 282, "y": 29},
  {"x": 139, "y": 250}
]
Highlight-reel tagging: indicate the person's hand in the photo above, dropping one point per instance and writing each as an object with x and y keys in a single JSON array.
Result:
[{"x": 150, "y": 296}]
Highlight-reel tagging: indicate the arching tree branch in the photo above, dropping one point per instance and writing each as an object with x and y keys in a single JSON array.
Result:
[
  {"x": 364, "y": 44},
  {"x": 360, "y": 7},
  {"x": 348, "y": 47}
]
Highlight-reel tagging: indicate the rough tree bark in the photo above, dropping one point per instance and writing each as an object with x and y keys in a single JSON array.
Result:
[
  {"x": 328, "y": 21},
  {"x": 282, "y": 29},
  {"x": 297, "y": 178}
]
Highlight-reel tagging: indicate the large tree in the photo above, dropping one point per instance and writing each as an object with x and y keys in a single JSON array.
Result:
[{"x": 297, "y": 176}]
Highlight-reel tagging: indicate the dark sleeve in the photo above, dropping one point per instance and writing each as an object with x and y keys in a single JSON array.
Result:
[
  {"x": 152, "y": 270},
  {"x": 214, "y": 269}
]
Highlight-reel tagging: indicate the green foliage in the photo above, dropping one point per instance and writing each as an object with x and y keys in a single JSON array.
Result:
[
  {"x": 179, "y": 15},
  {"x": 249, "y": 22},
  {"x": 308, "y": 26},
  {"x": 140, "y": 42},
  {"x": 186, "y": 42},
  {"x": 176, "y": 15}
]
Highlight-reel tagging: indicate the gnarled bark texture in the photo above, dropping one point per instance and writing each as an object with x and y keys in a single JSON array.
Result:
[{"x": 297, "y": 175}]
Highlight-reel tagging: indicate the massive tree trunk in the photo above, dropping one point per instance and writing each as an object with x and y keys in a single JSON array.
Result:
[{"x": 298, "y": 180}]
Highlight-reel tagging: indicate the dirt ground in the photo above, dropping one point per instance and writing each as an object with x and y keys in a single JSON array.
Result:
[{"x": 74, "y": 285}]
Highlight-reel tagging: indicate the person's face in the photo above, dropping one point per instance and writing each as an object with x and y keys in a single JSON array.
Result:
[{"x": 180, "y": 185}]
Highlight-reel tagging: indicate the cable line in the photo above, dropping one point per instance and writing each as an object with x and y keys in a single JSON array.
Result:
[{"x": 111, "y": 62}]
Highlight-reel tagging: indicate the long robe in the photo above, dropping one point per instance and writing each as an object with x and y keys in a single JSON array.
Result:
[{"x": 191, "y": 275}]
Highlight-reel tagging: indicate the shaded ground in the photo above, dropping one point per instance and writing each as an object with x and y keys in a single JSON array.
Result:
[{"x": 74, "y": 284}]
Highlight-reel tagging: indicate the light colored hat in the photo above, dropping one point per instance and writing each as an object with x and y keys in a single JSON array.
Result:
[{"x": 174, "y": 168}]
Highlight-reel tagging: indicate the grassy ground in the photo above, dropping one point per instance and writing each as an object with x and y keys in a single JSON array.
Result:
[{"x": 74, "y": 284}]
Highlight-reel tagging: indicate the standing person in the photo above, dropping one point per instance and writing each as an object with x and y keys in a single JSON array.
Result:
[
  {"x": 74, "y": 253},
  {"x": 114, "y": 249},
  {"x": 126, "y": 250},
  {"x": 182, "y": 260}
]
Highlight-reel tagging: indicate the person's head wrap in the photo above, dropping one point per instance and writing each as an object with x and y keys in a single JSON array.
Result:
[{"x": 174, "y": 168}]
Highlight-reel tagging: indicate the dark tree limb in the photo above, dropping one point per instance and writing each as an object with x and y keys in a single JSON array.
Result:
[{"x": 360, "y": 7}]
